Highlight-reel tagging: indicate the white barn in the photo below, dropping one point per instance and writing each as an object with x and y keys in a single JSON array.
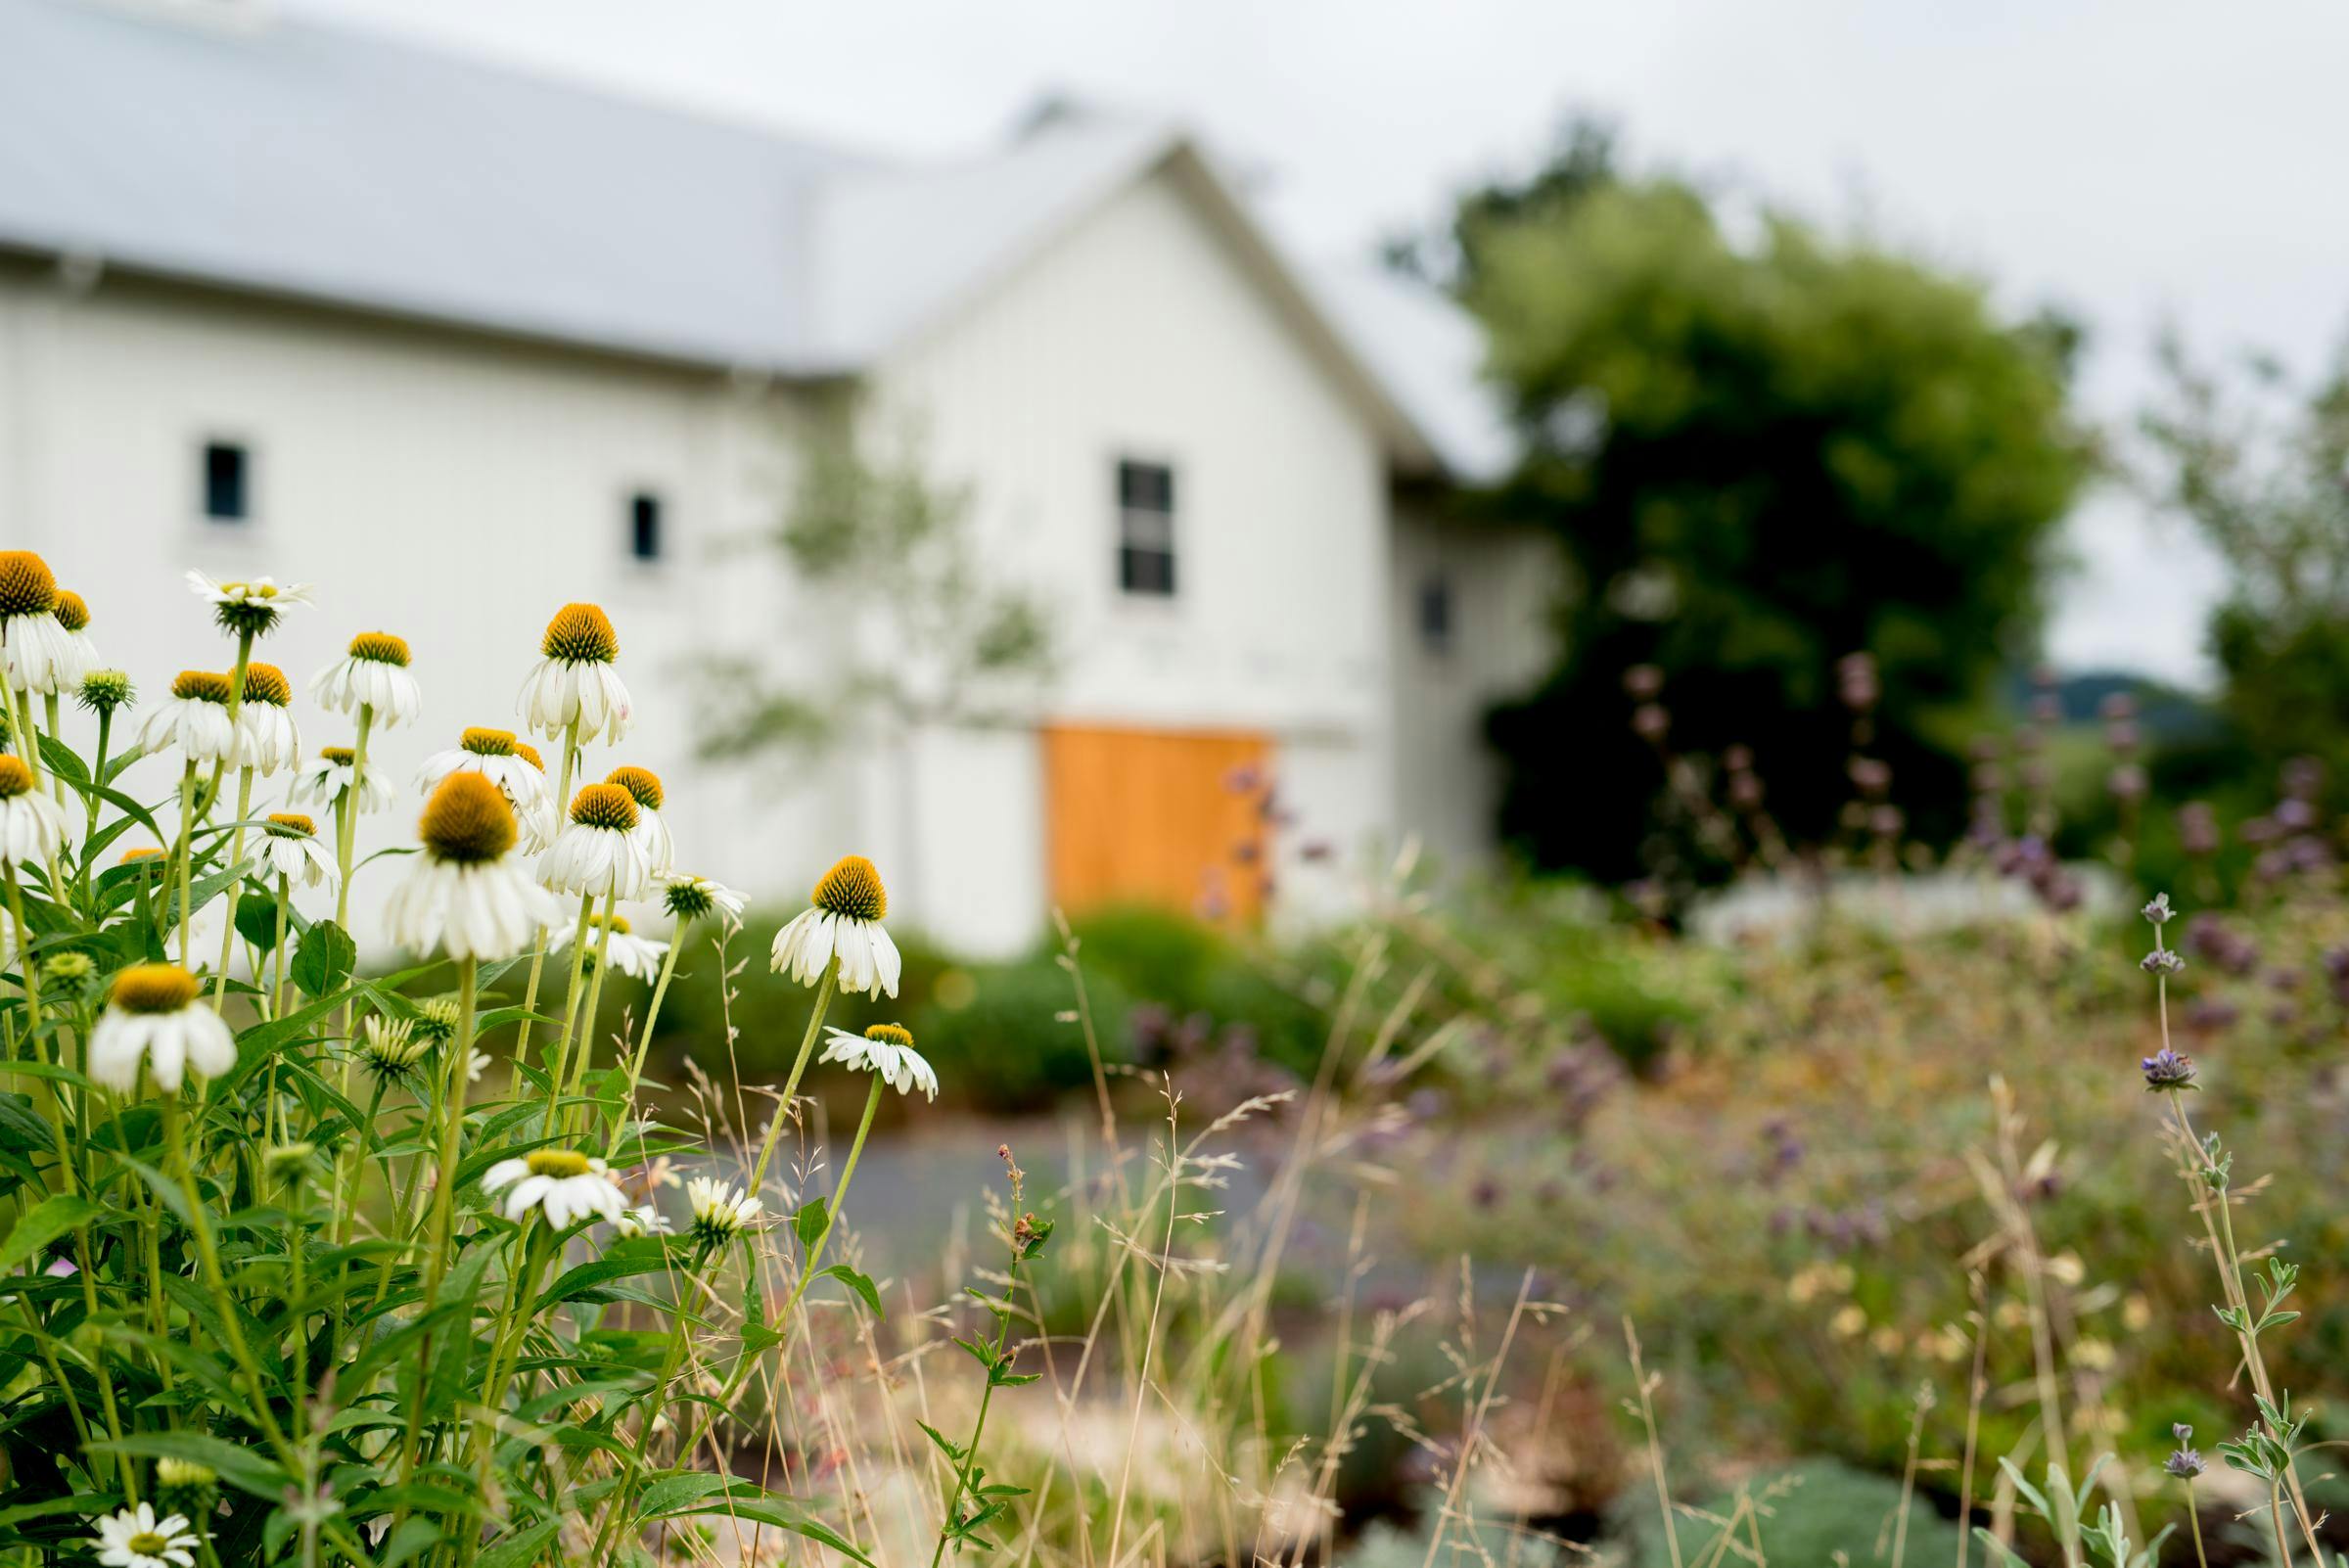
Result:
[{"x": 459, "y": 345}]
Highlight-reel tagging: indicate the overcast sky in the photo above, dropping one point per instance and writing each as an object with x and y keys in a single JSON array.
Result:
[{"x": 2134, "y": 160}]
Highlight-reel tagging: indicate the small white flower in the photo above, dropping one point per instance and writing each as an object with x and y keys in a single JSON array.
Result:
[
  {"x": 267, "y": 737},
  {"x": 637, "y": 957},
  {"x": 466, "y": 894},
  {"x": 690, "y": 898},
  {"x": 720, "y": 1212},
  {"x": 560, "y": 1183},
  {"x": 574, "y": 682},
  {"x": 511, "y": 765},
  {"x": 885, "y": 1050},
  {"x": 136, "y": 1539},
  {"x": 32, "y": 827},
  {"x": 250, "y": 606},
  {"x": 475, "y": 1065},
  {"x": 194, "y": 721},
  {"x": 843, "y": 922},
  {"x": 289, "y": 847},
  {"x": 327, "y": 778},
  {"x": 34, "y": 650},
  {"x": 72, "y": 614},
  {"x": 643, "y": 1221},
  {"x": 652, "y": 833},
  {"x": 373, "y": 675},
  {"x": 597, "y": 854},
  {"x": 154, "y": 1017}
]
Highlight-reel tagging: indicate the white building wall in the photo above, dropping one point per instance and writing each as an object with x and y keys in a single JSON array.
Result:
[
  {"x": 1502, "y": 583},
  {"x": 453, "y": 490},
  {"x": 1140, "y": 334}
]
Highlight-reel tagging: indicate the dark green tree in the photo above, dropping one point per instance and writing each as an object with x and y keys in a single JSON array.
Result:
[
  {"x": 1759, "y": 455},
  {"x": 2260, "y": 468}
]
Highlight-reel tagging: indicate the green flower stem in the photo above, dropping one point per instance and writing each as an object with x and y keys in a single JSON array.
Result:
[
  {"x": 529, "y": 994},
  {"x": 236, "y": 886},
  {"x": 644, "y": 1040},
  {"x": 105, "y": 725},
  {"x": 790, "y": 1084},
  {"x": 49, "y": 701},
  {"x": 506, "y": 1352},
  {"x": 52, "y": 1110},
  {"x": 444, "y": 1202},
  {"x": 182, "y": 851},
  {"x": 561, "y": 1059},
  {"x": 840, "y": 1202},
  {"x": 2193, "y": 1520},
  {"x": 277, "y": 991},
  {"x": 347, "y": 849},
  {"x": 28, "y": 742},
  {"x": 585, "y": 1043},
  {"x": 623, "y": 1494},
  {"x": 236, "y": 706},
  {"x": 175, "y": 1145},
  {"x": 987, "y": 1395},
  {"x": 815, "y": 1023}
]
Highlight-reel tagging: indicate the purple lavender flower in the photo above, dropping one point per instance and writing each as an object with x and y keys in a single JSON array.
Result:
[
  {"x": 2186, "y": 1463},
  {"x": 2161, "y": 961},
  {"x": 2165, "y": 1069},
  {"x": 2158, "y": 911}
]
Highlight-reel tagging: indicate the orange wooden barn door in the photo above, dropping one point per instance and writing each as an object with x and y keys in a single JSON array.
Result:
[{"x": 1155, "y": 816}]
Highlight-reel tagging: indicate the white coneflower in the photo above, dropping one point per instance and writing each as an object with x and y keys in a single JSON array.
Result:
[
  {"x": 843, "y": 922},
  {"x": 373, "y": 675},
  {"x": 248, "y": 607},
  {"x": 154, "y": 1017},
  {"x": 136, "y": 1539},
  {"x": 643, "y": 1221},
  {"x": 885, "y": 1050},
  {"x": 328, "y": 778},
  {"x": 32, "y": 827},
  {"x": 195, "y": 721},
  {"x": 466, "y": 894},
  {"x": 562, "y": 1185},
  {"x": 720, "y": 1212},
  {"x": 72, "y": 613},
  {"x": 289, "y": 847},
  {"x": 644, "y": 788},
  {"x": 390, "y": 1048},
  {"x": 268, "y": 738},
  {"x": 34, "y": 647},
  {"x": 690, "y": 898},
  {"x": 574, "y": 682},
  {"x": 633, "y": 956},
  {"x": 509, "y": 764},
  {"x": 597, "y": 854}
]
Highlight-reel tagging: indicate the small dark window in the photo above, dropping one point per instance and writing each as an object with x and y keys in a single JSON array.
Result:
[
  {"x": 644, "y": 527},
  {"x": 227, "y": 481},
  {"x": 1435, "y": 612},
  {"x": 1146, "y": 528}
]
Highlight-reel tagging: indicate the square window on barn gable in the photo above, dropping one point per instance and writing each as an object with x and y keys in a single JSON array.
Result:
[{"x": 1145, "y": 529}]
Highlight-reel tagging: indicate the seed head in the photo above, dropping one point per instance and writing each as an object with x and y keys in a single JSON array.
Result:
[
  {"x": 581, "y": 634},
  {"x": 154, "y": 989},
  {"x": 72, "y": 611},
  {"x": 291, "y": 825},
  {"x": 16, "y": 778},
  {"x": 201, "y": 685},
  {"x": 104, "y": 690},
  {"x": 266, "y": 683},
  {"x": 640, "y": 782},
  {"x": 484, "y": 742},
  {"x": 604, "y": 806},
  {"x": 466, "y": 820},
  {"x": 890, "y": 1035},
  {"x": 853, "y": 889},
  {"x": 28, "y": 587},
  {"x": 380, "y": 647}
]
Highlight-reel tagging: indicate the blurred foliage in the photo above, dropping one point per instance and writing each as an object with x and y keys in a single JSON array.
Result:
[
  {"x": 925, "y": 632},
  {"x": 1817, "y": 1513},
  {"x": 2261, "y": 468},
  {"x": 1759, "y": 455},
  {"x": 1003, "y": 1035},
  {"x": 1792, "y": 1204}
]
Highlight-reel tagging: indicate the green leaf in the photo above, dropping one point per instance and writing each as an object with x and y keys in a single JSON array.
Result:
[
  {"x": 242, "y": 1467},
  {"x": 66, "y": 1210},
  {"x": 521, "y": 1547},
  {"x": 951, "y": 1450},
  {"x": 412, "y": 1538},
  {"x": 811, "y": 1221},
  {"x": 256, "y": 919},
  {"x": 858, "y": 1283},
  {"x": 325, "y": 958}
]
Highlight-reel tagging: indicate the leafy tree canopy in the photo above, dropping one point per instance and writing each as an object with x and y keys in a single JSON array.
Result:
[{"x": 1760, "y": 454}]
